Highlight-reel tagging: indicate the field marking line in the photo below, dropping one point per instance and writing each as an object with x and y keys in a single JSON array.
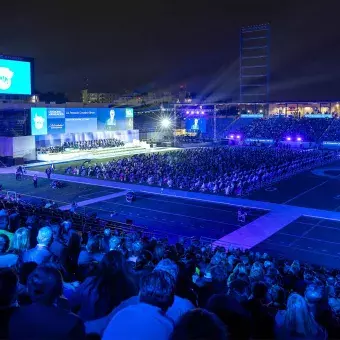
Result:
[
  {"x": 308, "y": 190},
  {"x": 305, "y": 192},
  {"x": 193, "y": 204},
  {"x": 94, "y": 200},
  {"x": 305, "y": 233},
  {"x": 104, "y": 191},
  {"x": 239, "y": 202},
  {"x": 170, "y": 213},
  {"x": 302, "y": 249}
]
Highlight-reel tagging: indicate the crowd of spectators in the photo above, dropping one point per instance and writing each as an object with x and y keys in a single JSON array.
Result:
[
  {"x": 220, "y": 170},
  {"x": 58, "y": 283},
  {"x": 192, "y": 139},
  {"x": 332, "y": 134},
  {"x": 278, "y": 128}
]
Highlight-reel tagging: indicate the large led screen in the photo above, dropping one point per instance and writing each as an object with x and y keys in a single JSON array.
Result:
[
  {"x": 195, "y": 125},
  {"x": 62, "y": 120},
  {"x": 80, "y": 120},
  {"x": 39, "y": 121},
  {"x": 114, "y": 119},
  {"x": 15, "y": 77}
]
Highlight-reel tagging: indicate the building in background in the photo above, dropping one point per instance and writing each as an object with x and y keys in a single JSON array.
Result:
[
  {"x": 95, "y": 97},
  {"x": 129, "y": 98}
]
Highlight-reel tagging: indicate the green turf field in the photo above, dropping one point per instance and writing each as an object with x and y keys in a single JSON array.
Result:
[
  {"x": 70, "y": 193},
  {"x": 60, "y": 167}
]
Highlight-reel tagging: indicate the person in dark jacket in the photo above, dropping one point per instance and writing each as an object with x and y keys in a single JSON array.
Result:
[
  {"x": 43, "y": 319},
  {"x": 8, "y": 289},
  {"x": 58, "y": 248},
  {"x": 99, "y": 294},
  {"x": 41, "y": 253}
]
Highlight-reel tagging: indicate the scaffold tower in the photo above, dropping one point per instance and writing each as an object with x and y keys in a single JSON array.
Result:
[{"x": 255, "y": 63}]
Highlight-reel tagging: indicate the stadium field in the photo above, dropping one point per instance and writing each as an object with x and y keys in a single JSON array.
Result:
[
  {"x": 307, "y": 239},
  {"x": 317, "y": 189},
  {"x": 176, "y": 216},
  {"x": 315, "y": 240},
  {"x": 72, "y": 192}
]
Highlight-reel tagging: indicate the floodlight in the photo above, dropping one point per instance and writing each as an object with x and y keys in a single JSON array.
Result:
[{"x": 165, "y": 123}]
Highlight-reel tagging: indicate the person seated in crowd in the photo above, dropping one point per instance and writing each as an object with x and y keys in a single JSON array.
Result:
[
  {"x": 180, "y": 305},
  {"x": 92, "y": 252},
  {"x": 233, "y": 314},
  {"x": 147, "y": 319},
  {"x": 297, "y": 322},
  {"x": 8, "y": 289},
  {"x": 43, "y": 319},
  {"x": 99, "y": 294},
  {"x": 262, "y": 320},
  {"x": 57, "y": 247},
  {"x": 41, "y": 253},
  {"x": 24, "y": 271},
  {"x": 199, "y": 324},
  {"x": 6, "y": 259},
  {"x": 4, "y": 224},
  {"x": 106, "y": 240},
  {"x": 20, "y": 243}
]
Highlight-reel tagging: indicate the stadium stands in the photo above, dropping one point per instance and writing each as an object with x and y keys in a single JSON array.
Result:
[
  {"x": 332, "y": 133},
  {"x": 117, "y": 282},
  {"x": 278, "y": 128}
]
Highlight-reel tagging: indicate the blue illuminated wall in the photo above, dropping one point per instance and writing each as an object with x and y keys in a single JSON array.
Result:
[{"x": 15, "y": 77}]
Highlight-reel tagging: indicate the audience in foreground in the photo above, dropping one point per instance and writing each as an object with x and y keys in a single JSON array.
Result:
[{"x": 145, "y": 288}]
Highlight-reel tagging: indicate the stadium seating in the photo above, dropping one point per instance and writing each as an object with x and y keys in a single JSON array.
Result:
[
  {"x": 278, "y": 128},
  {"x": 244, "y": 294},
  {"x": 332, "y": 133}
]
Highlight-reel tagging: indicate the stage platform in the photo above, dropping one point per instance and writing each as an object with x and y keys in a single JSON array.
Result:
[
  {"x": 102, "y": 153},
  {"x": 99, "y": 153},
  {"x": 76, "y": 154}
]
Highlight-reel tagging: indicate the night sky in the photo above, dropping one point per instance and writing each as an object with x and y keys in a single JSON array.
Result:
[{"x": 148, "y": 45}]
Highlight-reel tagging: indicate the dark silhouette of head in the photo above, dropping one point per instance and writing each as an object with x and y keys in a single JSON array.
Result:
[
  {"x": 157, "y": 289},
  {"x": 8, "y": 287},
  {"x": 199, "y": 324}
]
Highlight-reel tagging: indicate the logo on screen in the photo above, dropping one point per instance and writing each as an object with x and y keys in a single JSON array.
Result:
[
  {"x": 5, "y": 78},
  {"x": 39, "y": 122}
]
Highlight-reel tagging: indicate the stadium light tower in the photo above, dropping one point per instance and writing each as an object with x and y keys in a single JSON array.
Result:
[{"x": 254, "y": 63}]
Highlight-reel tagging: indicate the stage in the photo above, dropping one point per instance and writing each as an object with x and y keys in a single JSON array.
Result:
[{"x": 99, "y": 153}]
